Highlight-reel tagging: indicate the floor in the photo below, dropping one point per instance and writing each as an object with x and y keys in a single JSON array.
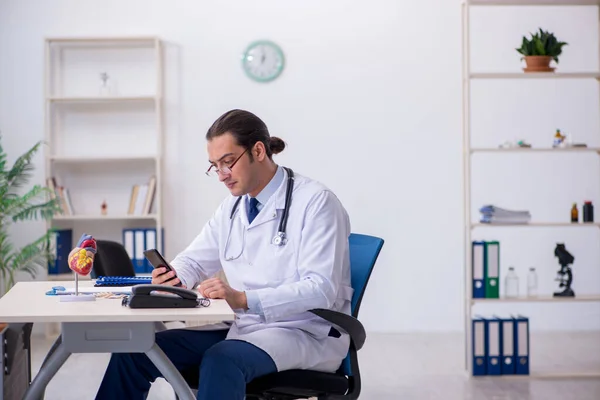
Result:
[{"x": 400, "y": 366}]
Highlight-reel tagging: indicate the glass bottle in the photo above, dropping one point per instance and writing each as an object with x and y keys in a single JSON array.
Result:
[
  {"x": 511, "y": 283},
  {"x": 588, "y": 211},
  {"x": 558, "y": 139},
  {"x": 574, "y": 213},
  {"x": 532, "y": 283}
]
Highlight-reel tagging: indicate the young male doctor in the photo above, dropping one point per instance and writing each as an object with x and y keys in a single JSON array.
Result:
[{"x": 272, "y": 283}]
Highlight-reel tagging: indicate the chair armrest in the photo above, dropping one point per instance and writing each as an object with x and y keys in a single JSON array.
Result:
[{"x": 347, "y": 322}]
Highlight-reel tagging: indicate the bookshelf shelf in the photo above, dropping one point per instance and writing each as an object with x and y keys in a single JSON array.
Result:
[
  {"x": 541, "y": 299},
  {"x": 106, "y": 41},
  {"x": 535, "y": 75},
  {"x": 105, "y": 217},
  {"x": 545, "y": 375},
  {"x": 539, "y": 225},
  {"x": 97, "y": 99},
  {"x": 537, "y": 150},
  {"x": 534, "y": 2},
  {"x": 95, "y": 160}
]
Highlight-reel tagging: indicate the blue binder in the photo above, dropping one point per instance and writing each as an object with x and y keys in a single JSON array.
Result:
[
  {"x": 479, "y": 250},
  {"x": 508, "y": 346},
  {"x": 62, "y": 241},
  {"x": 494, "y": 366},
  {"x": 521, "y": 334},
  {"x": 478, "y": 340},
  {"x": 136, "y": 241}
]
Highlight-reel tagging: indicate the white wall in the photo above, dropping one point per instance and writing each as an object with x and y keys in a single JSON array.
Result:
[{"x": 369, "y": 103}]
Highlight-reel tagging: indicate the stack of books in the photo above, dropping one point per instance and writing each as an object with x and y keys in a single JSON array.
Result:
[{"x": 491, "y": 214}]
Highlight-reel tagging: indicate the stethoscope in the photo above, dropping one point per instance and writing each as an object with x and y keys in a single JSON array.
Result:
[{"x": 280, "y": 238}]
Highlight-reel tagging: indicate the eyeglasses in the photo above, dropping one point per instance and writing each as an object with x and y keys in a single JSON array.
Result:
[{"x": 225, "y": 170}]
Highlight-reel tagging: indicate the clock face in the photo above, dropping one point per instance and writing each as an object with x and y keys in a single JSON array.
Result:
[{"x": 263, "y": 61}]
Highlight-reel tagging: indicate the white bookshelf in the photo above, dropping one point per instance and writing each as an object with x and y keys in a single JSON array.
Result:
[
  {"x": 469, "y": 78},
  {"x": 103, "y": 141}
]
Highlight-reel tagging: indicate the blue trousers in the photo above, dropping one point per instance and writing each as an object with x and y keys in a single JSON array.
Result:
[{"x": 225, "y": 366}]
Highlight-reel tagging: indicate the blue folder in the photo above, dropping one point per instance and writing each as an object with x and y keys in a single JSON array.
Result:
[
  {"x": 479, "y": 250},
  {"x": 493, "y": 340},
  {"x": 63, "y": 244},
  {"x": 478, "y": 340},
  {"x": 507, "y": 347},
  {"x": 521, "y": 331}
]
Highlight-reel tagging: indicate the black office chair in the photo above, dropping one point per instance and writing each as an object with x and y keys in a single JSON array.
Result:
[
  {"x": 112, "y": 260},
  {"x": 345, "y": 382}
]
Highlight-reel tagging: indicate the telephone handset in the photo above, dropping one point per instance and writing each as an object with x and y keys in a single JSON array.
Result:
[{"x": 163, "y": 296}]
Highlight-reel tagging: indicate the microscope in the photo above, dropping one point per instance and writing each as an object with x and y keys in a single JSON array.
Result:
[{"x": 565, "y": 275}]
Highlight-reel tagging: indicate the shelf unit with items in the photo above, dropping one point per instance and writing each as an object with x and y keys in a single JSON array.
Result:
[
  {"x": 104, "y": 135},
  {"x": 488, "y": 88}
]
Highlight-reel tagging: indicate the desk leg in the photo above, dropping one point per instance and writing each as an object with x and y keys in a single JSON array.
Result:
[
  {"x": 170, "y": 373},
  {"x": 52, "y": 364}
]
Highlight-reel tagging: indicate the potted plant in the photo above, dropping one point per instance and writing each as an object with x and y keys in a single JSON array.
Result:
[
  {"x": 540, "y": 50},
  {"x": 18, "y": 205}
]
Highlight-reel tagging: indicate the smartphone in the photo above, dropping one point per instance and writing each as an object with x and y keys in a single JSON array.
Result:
[{"x": 157, "y": 261}]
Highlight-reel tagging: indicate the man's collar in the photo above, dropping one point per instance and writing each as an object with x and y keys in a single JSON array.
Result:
[{"x": 271, "y": 187}]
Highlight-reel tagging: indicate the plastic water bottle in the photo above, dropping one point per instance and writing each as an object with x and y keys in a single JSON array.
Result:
[
  {"x": 532, "y": 283},
  {"x": 512, "y": 283}
]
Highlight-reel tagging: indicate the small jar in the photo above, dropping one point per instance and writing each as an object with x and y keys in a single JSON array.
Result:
[
  {"x": 574, "y": 213},
  {"x": 588, "y": 212}
]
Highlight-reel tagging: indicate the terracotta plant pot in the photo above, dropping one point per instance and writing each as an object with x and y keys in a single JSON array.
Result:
[{"x": 538, "y": 64}]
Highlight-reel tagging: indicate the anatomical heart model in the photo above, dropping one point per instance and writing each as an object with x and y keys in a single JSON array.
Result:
[
  {"x": 81, "y": 261},
  {"x": 81, "y": 258}
]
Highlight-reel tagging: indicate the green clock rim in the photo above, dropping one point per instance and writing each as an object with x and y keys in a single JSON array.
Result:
[{"x": 277, "y": 49}]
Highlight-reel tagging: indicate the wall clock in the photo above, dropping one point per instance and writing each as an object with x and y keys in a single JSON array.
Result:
[{"x": 263, "y": 61}]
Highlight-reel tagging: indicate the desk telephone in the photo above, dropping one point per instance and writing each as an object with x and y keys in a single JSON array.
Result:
[{"x": 163, "y": 296}]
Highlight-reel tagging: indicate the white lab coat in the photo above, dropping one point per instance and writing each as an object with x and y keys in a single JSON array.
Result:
[{"x": 311, "y": 271}]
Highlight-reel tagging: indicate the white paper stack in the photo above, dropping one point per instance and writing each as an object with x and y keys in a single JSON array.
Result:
[{"x": 491, "y": 214}]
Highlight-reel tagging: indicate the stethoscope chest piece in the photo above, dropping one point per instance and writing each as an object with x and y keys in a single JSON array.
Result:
[{"x": 279, "y": 239}]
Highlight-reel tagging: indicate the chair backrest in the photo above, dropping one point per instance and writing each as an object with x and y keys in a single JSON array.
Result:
[
  {"x": 364, "y": 251},
  {"x": 112, "y": 259}
]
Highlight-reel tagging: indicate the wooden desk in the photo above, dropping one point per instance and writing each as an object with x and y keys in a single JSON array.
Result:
[{"x": 101, "y": 326}]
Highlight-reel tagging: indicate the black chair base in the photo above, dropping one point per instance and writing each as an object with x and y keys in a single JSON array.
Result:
[{"x": 297, "y": 384}]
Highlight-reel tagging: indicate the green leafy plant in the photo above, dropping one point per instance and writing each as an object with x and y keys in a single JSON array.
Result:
[
  {"x": 542, "y": 43},
  {"x": 16, "y": 206}
]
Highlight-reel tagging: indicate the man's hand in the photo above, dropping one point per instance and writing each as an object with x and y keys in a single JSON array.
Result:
[
  {"x": 215, "y": 288},
  {"x": 160, "y": 278}
]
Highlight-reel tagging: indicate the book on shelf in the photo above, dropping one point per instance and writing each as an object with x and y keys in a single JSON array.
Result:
[
  {"x": 61, "y": 194},
  {"x": 142, "y": 198}
]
